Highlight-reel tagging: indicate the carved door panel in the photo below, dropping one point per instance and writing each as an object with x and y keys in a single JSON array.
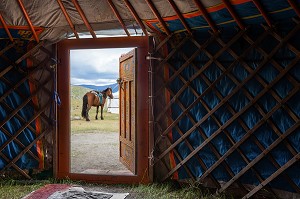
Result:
[{"x": 127, "y": 97}]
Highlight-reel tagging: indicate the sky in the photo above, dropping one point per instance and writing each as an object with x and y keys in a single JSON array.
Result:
[{"x": 95, "y": 66}]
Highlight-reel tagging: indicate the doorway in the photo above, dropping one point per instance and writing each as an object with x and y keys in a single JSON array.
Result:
[
  {"x": 95, "y": 144},
  {"x": 64, "y": 162}
]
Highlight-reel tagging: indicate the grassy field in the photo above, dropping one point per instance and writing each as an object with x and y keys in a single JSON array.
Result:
[
  {"x": 79, "y": 125},
  {"x": 109, "y": 124}
]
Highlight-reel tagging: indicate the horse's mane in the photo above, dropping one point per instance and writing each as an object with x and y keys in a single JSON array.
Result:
[{"x": 104, "y": 91}]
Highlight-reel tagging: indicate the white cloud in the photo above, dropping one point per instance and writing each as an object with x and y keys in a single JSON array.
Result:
[
  {"x": 99, "y": 82},
  {"x": 96, "y": 66}
]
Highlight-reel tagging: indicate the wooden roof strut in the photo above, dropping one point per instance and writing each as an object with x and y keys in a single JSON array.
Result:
[
  {"x": 114, "y": 9},
  {"x": 206, "y": 16},
  {"x": 158, "y": 16},
  {"x": 233, "y": 14},
  {"x": 263, "y": 12},
  {"x": 83, "y": 17},
  {"x": 294, "y": 6},
  {"x": 135, "y": 15},
  {"x": 68, "y": 18},
  {"x": 6, "y": 28},
  {"x": 22, "y": 7},
  {"x": 179, "y": 14}
]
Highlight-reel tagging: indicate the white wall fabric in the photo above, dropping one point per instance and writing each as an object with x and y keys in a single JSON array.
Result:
[{"x": 113, "y": 104}]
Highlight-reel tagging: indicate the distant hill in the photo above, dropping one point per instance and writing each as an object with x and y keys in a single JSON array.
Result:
[
  {"x": 115, "y": 87},
  {"x": 77, "y": 92}
]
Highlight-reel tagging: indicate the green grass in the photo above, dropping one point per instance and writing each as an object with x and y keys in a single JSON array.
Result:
[
  {"x": 11, "y": 189},
  {"x": 169, "y": 191},
  {"x": 109, "y": 124}
]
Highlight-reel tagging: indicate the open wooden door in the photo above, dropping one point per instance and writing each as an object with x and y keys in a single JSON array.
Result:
[
  {"x": 127, "y": 101},
  {"x": 134, "y": 137}
]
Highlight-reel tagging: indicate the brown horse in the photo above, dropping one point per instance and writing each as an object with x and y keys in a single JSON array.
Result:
[{"x": 95, "y": 98}]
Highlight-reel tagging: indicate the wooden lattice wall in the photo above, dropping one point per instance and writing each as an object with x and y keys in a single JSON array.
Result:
[
  {"x": 26, "y": 63},
  {"x": 177, "y": 98}
]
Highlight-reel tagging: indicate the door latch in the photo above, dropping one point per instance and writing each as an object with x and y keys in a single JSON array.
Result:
[{"x": 120, "y": 82}]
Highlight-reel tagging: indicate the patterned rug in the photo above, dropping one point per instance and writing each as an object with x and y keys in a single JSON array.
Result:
[{"x": 62, "y": 191}]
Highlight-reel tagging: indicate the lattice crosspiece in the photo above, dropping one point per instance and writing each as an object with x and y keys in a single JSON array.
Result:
[
  {"x": 229, "y": 110},
  {"x": 26, "y": 118}
]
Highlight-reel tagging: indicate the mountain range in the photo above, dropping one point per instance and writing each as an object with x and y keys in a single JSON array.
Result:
[{"x": 115, "y": 87}]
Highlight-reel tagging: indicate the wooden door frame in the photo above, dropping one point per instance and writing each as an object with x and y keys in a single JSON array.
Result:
[{"x": 62, "y": 167}]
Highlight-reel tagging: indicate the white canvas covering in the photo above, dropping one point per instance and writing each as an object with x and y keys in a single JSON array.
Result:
[{"x": 113, "y": 104}]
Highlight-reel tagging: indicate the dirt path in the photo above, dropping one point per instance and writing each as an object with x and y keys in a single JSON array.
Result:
[{"x": 95, "y": 151}]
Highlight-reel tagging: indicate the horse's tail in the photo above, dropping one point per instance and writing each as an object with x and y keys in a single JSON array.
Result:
[{"x": 84, "y": 103}]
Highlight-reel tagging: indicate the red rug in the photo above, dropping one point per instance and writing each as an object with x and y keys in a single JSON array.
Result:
[
  {"x": 46, "y": 191},
  {"x": 63, "y": 191}
]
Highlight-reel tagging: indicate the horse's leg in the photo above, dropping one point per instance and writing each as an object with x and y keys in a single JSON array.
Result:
[
  {"x": 87, "y": 112},
  {"x": 102, "y": 118},
  {"x": 97, "y": 113}
]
